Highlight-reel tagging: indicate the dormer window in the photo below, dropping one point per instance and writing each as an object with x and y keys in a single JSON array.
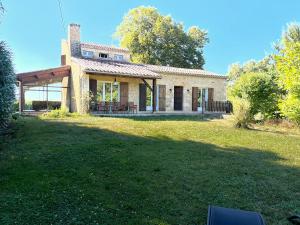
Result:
[
  {"x": 103, "y": 55},
  {"x": 87, "y": 54},
  {"x": 118, "y": 57}
]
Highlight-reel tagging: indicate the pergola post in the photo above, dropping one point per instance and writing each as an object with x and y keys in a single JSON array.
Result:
[
  {"x": 21, "y": 97},
  {"x": 153, "y": 95}
]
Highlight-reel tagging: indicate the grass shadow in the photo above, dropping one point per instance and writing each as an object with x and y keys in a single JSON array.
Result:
[{"x": 63, "y": 172}]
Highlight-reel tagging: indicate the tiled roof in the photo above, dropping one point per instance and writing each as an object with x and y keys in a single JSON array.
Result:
[
  {"x": 115, "y": 68},
  {"x": 103, "y": 47},
  {"x": 177, "y": 70},
  {"x": 102, "y": 66}
]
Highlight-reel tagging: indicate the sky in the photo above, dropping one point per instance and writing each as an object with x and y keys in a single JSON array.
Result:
[{"x": 238, "y": 30}]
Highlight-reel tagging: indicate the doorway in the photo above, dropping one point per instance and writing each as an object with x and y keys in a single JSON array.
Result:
[
  {"x": 202, "y": 96},
  {"x": 178, "y": 98}
]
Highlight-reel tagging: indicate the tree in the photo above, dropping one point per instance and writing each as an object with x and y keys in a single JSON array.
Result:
[
  {"x": 265, "y": 65},
  {"x": 156, "y": 39},
  {"x": 291, "y": 34},
  {"x": 288, "y": 66},
  {"x": 7, "y": 85},
  {"x": 260, "y": 89}
]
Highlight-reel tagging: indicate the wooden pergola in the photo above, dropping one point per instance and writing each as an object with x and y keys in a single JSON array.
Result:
[{"x": 40, "y": 78}]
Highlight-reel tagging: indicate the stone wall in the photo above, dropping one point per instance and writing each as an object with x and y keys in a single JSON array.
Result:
[{"x": 171, "y": 80}]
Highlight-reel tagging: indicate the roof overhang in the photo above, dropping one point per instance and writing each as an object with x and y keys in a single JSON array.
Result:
[
  {"x": 51, "y": 75},
  {"x": 118, "y": 74}
]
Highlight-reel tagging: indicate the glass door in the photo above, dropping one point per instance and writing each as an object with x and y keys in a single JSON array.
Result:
[
  {"x": 149, "y": 99},
  {"x": 202, "y": 96}
]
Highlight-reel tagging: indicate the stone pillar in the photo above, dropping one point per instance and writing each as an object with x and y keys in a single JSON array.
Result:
[
  {"x": 85, "y": 94},
  {"x": 66, "y": 94}
]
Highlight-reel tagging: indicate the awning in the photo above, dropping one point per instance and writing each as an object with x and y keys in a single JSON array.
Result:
[{"x": 39, "y": 77}]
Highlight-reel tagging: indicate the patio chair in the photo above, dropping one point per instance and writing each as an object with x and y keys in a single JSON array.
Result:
[
  {"x": 132, "y": 107},
  {"x": 123, "y": 108},
  {"x": 115, "y": 107},
  {"x": 225, "y": 216},
  {"x": 108, "y": 107},
  {"x": 101, "y": 107}
]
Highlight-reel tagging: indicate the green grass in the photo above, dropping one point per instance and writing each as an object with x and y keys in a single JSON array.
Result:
[{"x": 162, "y": 170}]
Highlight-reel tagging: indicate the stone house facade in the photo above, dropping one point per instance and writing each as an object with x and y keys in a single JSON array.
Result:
[{"x": 107, "y": 73}]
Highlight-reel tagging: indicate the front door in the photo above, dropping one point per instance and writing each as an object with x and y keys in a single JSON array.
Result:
[{"x": 178, "y": 97}]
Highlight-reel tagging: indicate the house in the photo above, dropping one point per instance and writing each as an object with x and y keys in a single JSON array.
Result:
[{"x": 93, "y": 74}]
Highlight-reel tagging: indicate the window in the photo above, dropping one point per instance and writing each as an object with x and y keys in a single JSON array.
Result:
[
  {"x": 118, "y": 57},
  {"x": 87, "y": 54},
  {"x": 103, "y": 55},
  {"x": 107, "y": 91}
]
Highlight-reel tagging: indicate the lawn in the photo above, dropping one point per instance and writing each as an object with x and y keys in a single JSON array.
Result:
[{"x": 163, "y": 170}]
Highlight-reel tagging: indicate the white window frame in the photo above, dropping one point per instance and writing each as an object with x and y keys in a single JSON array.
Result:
[
  {"x": 119, "y": 57},
  {"x": 111, "y": 85},
  {"x": 199, "y": 109},
  {"x": 87, "y": 54}
]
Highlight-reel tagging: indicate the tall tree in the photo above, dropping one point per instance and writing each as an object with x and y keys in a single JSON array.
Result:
[
  {"x": 266, "y": 65},
  {"x": 7, "y": 83},
  {"x": 288, "y": 66},
  {"x": 291, "y": 34},
  {"x": 156, "y": 39}
]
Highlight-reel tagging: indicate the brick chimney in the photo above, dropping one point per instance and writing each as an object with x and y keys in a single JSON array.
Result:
[{"x": 74, "y": 39}]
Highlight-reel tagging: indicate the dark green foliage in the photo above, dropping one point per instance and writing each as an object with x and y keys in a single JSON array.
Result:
[
  {"x": 156, "y": 39},
  {"x": 7, "y": 85},
  {"x": 42, "y": 105}
]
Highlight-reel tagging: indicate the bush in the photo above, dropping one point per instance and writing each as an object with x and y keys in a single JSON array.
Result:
[
  {"x": 60, "y": 113},
  {"x": 241, "y": 112},
  {"x": 57, "y": 113},
  {"x": 7, "y": 85},
  {"x": 261, "y": 90},
  {"x": 290, "y": 106},
  {"x": 42, "y": 105}
]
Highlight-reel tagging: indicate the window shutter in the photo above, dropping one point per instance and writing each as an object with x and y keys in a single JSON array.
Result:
[
  {"x": 162, "y": 98},
  {"x": 93, "y": 86},
  {"x": 142, "y": 98},
  {"x": 194, "y": 98},
  {"x": 210, "y": 94},
  {"x": 124, "y": 93}
]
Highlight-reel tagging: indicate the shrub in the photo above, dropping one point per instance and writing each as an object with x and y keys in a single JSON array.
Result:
[
  {"x": 7, "y": 85},
  {"x": 41, "y": 105},
  {"x": 57, "y": 113},
  {"x": 261, "y": 90},
  {"x": 290, "y": 106},
  {"x": 241, "y": 112}
]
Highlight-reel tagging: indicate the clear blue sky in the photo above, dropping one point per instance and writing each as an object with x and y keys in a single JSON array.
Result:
[{"x": 238, "y": 30}]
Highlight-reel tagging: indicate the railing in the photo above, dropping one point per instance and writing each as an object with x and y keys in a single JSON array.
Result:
[
  {"x": 113, "y": 107},
  {"x": 218, "y": 106}
]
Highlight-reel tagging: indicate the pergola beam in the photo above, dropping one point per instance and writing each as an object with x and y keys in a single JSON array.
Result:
[{"x": 148, "y": 85}]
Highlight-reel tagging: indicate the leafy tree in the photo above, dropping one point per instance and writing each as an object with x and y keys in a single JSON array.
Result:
[
  {"x": 291, "y": 34},
  {"x": 7, "y": 85},
  {"x": 288, "y": 66},
  {"x": 156, "y": 39},
  {"x": 260, "y": 89},
  {"x": 265, "y": 65}
]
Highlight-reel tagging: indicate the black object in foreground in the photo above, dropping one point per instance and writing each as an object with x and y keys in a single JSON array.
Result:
[
  {"x": 224, "y": 216},
  {"x": 295, "y": 219}
]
